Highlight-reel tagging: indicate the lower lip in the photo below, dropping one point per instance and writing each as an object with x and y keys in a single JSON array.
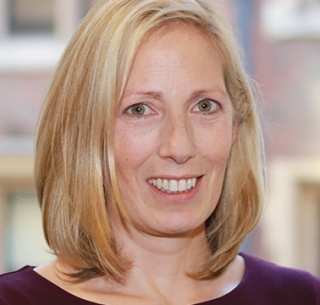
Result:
[{"x": 178, "y": 197}]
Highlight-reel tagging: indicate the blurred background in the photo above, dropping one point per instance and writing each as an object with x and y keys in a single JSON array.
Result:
[{"x": 281, "y": 43}]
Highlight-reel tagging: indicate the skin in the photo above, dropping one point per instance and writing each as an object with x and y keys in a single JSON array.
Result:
[
  {"x": 174, "y": 121},
  {"x": 171, "y": 76}
]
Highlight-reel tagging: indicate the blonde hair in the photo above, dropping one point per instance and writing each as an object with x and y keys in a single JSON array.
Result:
[{"x": 75, "y": 167}]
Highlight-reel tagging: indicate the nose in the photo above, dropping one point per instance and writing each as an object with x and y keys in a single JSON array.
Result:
[{"x": 177, "y": 140}]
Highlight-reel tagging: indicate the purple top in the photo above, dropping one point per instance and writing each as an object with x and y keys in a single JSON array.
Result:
[{"x": 263, "y": 283}]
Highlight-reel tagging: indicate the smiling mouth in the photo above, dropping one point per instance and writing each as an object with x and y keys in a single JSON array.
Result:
[{"x": 172, "y": 185}]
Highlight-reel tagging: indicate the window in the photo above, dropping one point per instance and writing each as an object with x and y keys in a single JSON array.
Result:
[
  {"x": 309, "y": 226},
  {"x": 21, "y": 235},
  {"x": 291, "y": 222},
  {"x": 31, "y": 16},
  {"x": 290, "y": 19},
  {"x": 56, "y": 18},
  {"x": 34, "y": 33},
  {"x": 24, "y": 240}
]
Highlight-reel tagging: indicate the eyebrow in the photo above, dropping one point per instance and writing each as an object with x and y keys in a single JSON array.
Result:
[
  {"x": 154, "y": 94},
  {"x": 215, "y": 89},
  {"x": 159, "y": 95}
]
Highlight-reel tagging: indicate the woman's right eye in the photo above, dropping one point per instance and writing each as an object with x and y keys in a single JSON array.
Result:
[{"x": 138, "y": 109}]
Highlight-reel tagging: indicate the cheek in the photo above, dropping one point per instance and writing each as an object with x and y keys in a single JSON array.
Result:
[
  {"x": 215, "y": 143},
  {"x": 132, "y": 146}
]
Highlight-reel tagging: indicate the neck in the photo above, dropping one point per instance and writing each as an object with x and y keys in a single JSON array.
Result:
[
  {"x": 162, "y": 264},
  {"x": 164, "y": 256},
  {"x": 159, "y": 267}
]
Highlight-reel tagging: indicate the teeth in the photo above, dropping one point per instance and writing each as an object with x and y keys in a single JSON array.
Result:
[
  {"x": 158, "y": 184},
  {"x": 165, "y": 185},
  {"x": 189, "y": 184},
  {"x": 172, "y": 185},
  {"x": 182, "y": 185}
]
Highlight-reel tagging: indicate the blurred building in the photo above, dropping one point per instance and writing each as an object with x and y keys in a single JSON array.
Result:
[
  {"x": 286, "y": 63},
  {"x": 33, "y": 35},
  {"x": 281, "y": 39}
]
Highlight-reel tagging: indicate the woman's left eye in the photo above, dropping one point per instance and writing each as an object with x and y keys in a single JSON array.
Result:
[
  {"x": 139, "y": 109},
  {"x": 206, "y": 105}
]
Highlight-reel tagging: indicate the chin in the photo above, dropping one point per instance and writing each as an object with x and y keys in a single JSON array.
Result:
[{"x": 178, "y": 227}]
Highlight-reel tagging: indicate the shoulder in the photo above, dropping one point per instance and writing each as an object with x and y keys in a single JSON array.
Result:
[
  {"x": 13, "y": 279},
  {"x": 14, "y": 285},
  {"x": 27, "y": 287},
  {"x": 284, "y": 283}
]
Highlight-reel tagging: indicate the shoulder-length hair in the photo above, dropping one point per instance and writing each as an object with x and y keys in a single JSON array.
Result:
[{"x": 75, "y": 164}]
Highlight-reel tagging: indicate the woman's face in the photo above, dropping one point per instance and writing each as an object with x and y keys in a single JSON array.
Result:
[{"x": 173, "y": 134}]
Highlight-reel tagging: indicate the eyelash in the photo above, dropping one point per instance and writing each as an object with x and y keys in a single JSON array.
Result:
[
  {"x": 142, "y": 106},
  {"x": 214, "y": 104}
]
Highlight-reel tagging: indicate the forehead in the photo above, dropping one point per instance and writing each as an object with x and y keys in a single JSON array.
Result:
[
  {"x": 180, "y": 46},
  {"x": 170, "y": 28},
  {"x": 176, "y": 38},
  {"x": 176, "y": 61}
]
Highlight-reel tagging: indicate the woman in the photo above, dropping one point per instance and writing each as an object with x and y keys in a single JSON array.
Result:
[{"x": 149, "y": 169}]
